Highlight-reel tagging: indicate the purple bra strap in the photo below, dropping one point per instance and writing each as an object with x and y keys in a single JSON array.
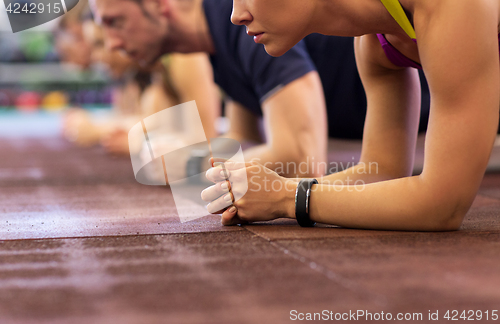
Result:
[{"x": 395, "y": 56}]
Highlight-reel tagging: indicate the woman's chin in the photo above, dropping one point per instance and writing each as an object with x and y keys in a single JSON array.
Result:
[{"x": 275, "y": 50}]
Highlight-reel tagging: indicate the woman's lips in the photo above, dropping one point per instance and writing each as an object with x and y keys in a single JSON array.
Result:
[{"x": 257, "y": 37}]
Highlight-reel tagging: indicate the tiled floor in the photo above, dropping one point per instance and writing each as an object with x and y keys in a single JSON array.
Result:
[{"x": 82, "y": 242}]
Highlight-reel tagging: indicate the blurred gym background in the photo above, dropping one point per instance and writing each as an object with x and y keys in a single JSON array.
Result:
[{"x": 37, "y": 84}]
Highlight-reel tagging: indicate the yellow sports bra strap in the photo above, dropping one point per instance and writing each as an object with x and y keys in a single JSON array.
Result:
[{"x": 397, "y": 12}]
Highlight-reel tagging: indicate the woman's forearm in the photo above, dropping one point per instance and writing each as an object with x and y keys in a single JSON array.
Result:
[
  {"x": 400, "y": 204},
  {"x": 361, "y": 173}
]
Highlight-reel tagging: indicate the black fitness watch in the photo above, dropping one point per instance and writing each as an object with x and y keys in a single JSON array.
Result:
[{"x": 302, "y": 195}]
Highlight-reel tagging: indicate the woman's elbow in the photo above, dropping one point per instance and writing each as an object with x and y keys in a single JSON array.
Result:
[
  {"x": 451, "y": 222},
  {"x": 448, "y": 216}
]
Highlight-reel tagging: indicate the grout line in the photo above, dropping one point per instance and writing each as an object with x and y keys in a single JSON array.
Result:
[
  {"x": 377, "y": 298},
  {"x": 109, "y": 236}
]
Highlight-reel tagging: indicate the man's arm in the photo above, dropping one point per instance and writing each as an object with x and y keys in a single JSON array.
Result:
[
  {"x": 192, "y": 78},
  {"x": 296, "y": 130},
  {"x": 243, "y": 124}
]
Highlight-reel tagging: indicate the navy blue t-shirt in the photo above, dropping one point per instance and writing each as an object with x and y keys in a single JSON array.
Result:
[{"x": 248, "y": 75}]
